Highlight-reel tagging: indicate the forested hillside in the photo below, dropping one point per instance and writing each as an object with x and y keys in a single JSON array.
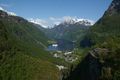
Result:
[
  {"x": 102, "y": 61},
  {"x": 22, "y": 51}
]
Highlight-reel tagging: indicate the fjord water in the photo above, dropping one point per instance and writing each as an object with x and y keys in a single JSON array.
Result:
[{"x": 61, "y": 45}]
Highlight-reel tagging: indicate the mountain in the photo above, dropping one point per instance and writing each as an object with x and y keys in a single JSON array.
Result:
[
  {"x": 114, "y": 8},
  {"x": 22, "y": 51},
  {"x": 108, "y": 25},
  {"x": 102, "y": 60},
  {"x": 70, "y": 29},
  {"x": 8, "y": 12},
  {"x": 77, "y": 21}
]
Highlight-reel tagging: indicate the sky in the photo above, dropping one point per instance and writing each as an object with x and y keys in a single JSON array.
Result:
[{"x": 48, "y": 12}]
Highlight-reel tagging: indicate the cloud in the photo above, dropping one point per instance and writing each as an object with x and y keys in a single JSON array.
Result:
[
  {"x": 50, "y": 22},
  {"x": 52, "y": 18},
  {"x": 38, "y": 21},
  {"x": 56, "y": 23}
]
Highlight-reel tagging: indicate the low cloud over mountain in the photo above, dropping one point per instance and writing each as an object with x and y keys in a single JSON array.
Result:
[{"x": 51, "y": 21}]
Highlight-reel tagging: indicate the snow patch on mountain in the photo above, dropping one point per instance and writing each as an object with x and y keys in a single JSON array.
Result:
[
  {"x": 8, "y": 12},
  {"x": 39, "y": 22},
  {"x": 1, "y": 9},
  {"x": 73, "y": 20},
  {"x": 88, "y": 22},
  {"x": 54, "y": 21}
]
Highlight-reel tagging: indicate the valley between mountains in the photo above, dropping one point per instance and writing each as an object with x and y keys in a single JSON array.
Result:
[{"x": 75, "y": 49}]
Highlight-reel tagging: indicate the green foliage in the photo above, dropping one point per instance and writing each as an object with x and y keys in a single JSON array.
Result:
[
  {"x": 24, "y": 67},
  {"x": 71, "y": 32},
  {"x": 106, "y": 34},
  {"x": 22, "y": 54}
]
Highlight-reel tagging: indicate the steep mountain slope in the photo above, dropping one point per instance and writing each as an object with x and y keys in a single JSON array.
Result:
[
  {"x": 102, "y": 62},
  {"x": 108, "y": 26},
  {"x": 22, "y": 54},
  {"x": 69, "y": 30}
]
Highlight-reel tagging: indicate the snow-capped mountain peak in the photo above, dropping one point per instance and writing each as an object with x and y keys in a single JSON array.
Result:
[
  {"x": 66, "y": 20},
  {"x": 1, "y": 9},
  {"x": 86, "y": 22},
  {"x": 70, "y": 21},
  {"x": 8, "y": 12}
]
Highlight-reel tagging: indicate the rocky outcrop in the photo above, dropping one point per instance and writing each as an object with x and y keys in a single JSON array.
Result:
[
  {"x": 114, "y": 8},
  {"x": 91, "y": 67}
]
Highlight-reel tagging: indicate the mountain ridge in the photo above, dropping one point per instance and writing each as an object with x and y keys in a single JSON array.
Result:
[
  {"x": 22, "y": 54},
  {"x": 69, "y": 30}
]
